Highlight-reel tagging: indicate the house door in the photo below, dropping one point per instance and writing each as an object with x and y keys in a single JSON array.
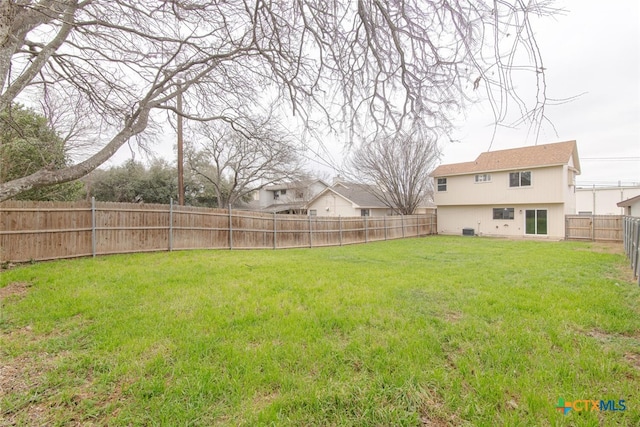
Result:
[{"x": 536, "y": 221}]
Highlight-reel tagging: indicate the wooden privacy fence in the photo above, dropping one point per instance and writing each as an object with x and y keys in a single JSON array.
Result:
[
  {"x": 631, "y": 242},
  {"x": 594, "y": 227},
  {"x": 53, "y": 230}
]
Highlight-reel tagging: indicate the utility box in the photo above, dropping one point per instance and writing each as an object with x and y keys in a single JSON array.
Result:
[{"x": 468, "y": 232}]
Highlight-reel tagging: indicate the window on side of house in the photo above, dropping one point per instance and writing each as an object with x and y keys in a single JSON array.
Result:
[
  {"x": 313, "y": 212},
  {"x": 483, "y": 177},
  {"x": 520, "y": 179},
  {"x": 503, "y": 213},
  {"x": 364, "y": 212},
  {"x": 442, "y": 184},
  {"x": 283, "y": 192},
  {"x": 299, "y": 194},
  {"x": 276, "y": 195}
]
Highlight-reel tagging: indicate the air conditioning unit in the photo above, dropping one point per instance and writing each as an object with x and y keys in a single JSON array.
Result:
[{"x": 468, "y": 232}]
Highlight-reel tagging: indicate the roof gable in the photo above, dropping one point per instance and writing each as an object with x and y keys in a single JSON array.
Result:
[
  {"x": 357, "y": 194},
  {"x": 361, "y": 195},
  {"x": 629, "y": 202},
  {"x": 560, "y": 153}
]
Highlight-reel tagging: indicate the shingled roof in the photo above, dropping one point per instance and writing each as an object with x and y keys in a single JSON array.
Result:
[
  {"x": 556, "y": 154},
  {"x": 361, "y": 194}
]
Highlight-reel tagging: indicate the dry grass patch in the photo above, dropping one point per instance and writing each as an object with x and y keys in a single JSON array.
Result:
[{"x": 14, "y": 290}]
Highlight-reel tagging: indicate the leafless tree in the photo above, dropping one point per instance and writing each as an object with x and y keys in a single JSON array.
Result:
[
  {"x": 398, "y": 166},
  {"x": 366, "y": 64},
  {"x": 238, "y": 163}
]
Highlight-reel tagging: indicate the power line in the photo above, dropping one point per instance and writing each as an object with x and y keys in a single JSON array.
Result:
[{"x": 617, "y": 159}]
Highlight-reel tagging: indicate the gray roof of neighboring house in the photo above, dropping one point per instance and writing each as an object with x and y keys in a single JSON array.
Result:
[
  {"x": 360, "y": 194},
  {"x": 281, "y": 207},
  {"x": 294, "y": 184}
]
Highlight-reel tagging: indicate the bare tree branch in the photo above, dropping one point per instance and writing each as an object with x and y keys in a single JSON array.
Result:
[
  {"x": 398, "y": 166},
  {"x": 237, "y": 164},
  {"x": 364, "y": 66}
]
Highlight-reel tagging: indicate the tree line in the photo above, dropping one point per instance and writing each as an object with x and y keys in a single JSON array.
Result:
[
  {"x": 105, "y": 73},
  {"x": 223, "y": 169}
]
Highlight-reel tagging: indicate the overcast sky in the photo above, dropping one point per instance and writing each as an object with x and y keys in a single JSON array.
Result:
[{"x": 593, "y": 49}]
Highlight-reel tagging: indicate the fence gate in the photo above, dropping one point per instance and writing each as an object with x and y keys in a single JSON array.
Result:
[{"x": 594, "y": 227}]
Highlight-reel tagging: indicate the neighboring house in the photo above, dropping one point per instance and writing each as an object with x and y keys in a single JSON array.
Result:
[
  {"x": 349, "y": 199},
  {"x": 631, "y": 206},
  {"x": 603, "y": 200},
  {"x": 518, "y": 192},
  {"x": 290, "y": 197}
]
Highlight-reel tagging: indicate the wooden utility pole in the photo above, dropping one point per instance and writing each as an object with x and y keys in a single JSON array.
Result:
[{"x": 180, "y": 149}]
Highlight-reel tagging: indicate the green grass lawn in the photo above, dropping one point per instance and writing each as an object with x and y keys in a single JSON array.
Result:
[{"x": 431, "y": 331}]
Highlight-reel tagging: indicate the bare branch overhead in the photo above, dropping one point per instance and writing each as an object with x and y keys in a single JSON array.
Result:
[{"x": 366, "y": 66}]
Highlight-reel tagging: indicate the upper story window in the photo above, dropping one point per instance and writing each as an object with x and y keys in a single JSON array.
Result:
[
  {"x": 520, "y": 179},
  {"x": 276, "y": 195},
  {"x": 483, "y": 177},
  {"x": 283, "y": 192},
  {"x": 299, "y": 194},
  {"x": 364, "y": 212},
  {"x": 442, "y": 184}
]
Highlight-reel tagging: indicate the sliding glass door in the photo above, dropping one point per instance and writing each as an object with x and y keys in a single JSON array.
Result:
[{"x": 536, "y": 221}]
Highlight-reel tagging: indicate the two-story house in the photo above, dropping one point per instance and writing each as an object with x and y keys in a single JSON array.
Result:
[
  {"x": 289, "y": 197},
  {"x": 512, "y": 193}
]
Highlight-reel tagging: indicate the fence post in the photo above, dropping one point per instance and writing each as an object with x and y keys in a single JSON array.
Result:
[
  {"x": 340, "y": 228},
  {"x": 593, "y": 227},
  {"x": 385, "y": 227},
  {"x": 366, "y": 230},
  {"x": 230, "y": 229},
  {"x": 402, "y": 222},
  {"x": 170, "y": 224},
  {"x": 93, "y": 227},
  {"x": 434, "y": 218},
  {"x": 635, "y": 254},
  {"x": 275, "y": 246},
  {"x": 310, "y": 233}
]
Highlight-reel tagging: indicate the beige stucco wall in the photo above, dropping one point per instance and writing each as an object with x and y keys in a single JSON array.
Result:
[
  {"x": 547, "y": 185},
  {"x": 569, "y": 185},
  {"x": 452, "y": 219},
  {"x": 330, "y": 204},
  {"x": 633, "y": 210}
]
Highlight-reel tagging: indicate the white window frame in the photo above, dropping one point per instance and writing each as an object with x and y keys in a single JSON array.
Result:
[
  {"x": 482, "y": 177},
  {"x": 511, "y": 211},
  {"x": 520, "y": 173},
  {"x": 441, "y": 185}
]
